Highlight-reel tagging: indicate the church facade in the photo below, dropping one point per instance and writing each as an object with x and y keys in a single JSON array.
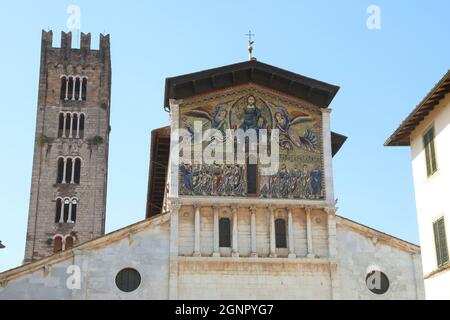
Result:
[{"x": 240, "y": 206}]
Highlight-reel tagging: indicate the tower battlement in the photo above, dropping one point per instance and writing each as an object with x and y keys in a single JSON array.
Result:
[
  {"x": 66, "y": 41},
  {"x": 67, "y": 52}
]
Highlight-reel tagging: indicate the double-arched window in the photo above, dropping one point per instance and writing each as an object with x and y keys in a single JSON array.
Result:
[
  {"x": 61, "y": 243},
  {"x": 66, "y": 210},
  {"x": 69, "y": 170},
  {"x": 71, "y": 125},
  {"x": 73, "y": 88}
]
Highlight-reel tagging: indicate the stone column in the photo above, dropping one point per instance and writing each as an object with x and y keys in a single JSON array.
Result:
[
  {"x": 72, "y": 178},
  {"x": 66, "y": 97},
  {"x": 64, "y": 125},
  {"x": 273, "y": 253},
  {"x": 174, "y": 207},
  {"x": 216, "y": 252},
  {"x": 332, "y": 245},
  {"x": 253, "y": 254},
  {"x": 71, "y": 126},
  {"x": 64, "y": 170},
  {"x": 291, "y": 235},
  {"x": 69, "y": 216},
  {"x": 309, "y": 235},
  {"x": 78, "y": 126},
  {"x": 235, "y": 250},
  {"x": 73, "y": 87},
  {"x": 61, "y": 212},
  {"x": 81, "y": 89},
  {"x": 197, "y": 232}
]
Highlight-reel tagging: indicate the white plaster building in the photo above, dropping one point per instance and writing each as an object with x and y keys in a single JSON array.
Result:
[
  {"x": 427, "y": 131},
  {"x": 219, "y": 231}
]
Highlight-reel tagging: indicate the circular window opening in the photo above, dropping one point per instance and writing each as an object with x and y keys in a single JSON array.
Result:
[
  {"x": 128, "y": 280},
  {"x": 377, "y": 282}
]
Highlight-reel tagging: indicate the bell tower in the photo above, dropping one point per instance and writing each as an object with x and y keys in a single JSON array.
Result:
[{"x": 70, "y": 163}]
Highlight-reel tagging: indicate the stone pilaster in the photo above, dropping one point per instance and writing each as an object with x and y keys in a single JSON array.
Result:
[
  {"x": 309, "y": 235},
  {"x": 253, "y": 253},
  {"x": 216, "y": 252},
  {"x": 290, "y": 235},
  {"x": 235, "y": 249},
  {"x": 272, "y": 253},
  {"x": 197, "y": 232}
]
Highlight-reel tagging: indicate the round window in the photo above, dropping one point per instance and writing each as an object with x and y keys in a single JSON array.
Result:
[
  {"x": 128, "y": 280},
  {"x": 377, "y": 282}
]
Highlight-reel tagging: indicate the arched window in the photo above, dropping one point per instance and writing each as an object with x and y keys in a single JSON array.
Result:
[
  {"x": 71, "y": 125},
  {"x": 77, "y": 171},
  {"x": 68, "y": 243},
  {"x": 280, "y": 233},
  {"x": 63, "y": 88},
  {"x": 74, "y": 132},
  {"x": 69, "y": 170},
  {"x": 77, "y": 88},
  {"x": 60, "y": 125},
  {"x": 57, "y": 244},
  {"x": 70, "y": 91},
  {"x": 58, "y": 210},
  {"x": 84, "y": 89},
  {"x": 66, "y": 210},
  {"x": 73, "y": 88},
  {"x": 60, "y": 176},
  {"x": 81, "y": 127},
  {"x": 224, "y": 232},
  {"x": 73, "y": 213},
  {"x": 67, "y": 123}
]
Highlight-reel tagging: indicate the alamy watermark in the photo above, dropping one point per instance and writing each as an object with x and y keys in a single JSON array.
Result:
[{"x": 373, "y": 21}]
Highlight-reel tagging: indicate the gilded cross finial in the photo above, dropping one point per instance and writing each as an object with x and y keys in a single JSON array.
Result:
[{"x": 250, "y": 45}]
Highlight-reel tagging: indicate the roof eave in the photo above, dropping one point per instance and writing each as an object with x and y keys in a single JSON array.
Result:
[
  {"x": 401, "y": 135},
  {"x": 324, "y": 92}
]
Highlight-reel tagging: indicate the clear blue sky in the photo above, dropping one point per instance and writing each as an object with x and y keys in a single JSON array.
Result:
[{"x": 382, "y": 73}]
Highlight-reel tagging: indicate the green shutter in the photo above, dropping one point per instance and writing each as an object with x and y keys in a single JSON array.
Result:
[
  {"x": 440, "y": 241},
  {"x": 437, "y": 242},
  {"x": 443, "y": 241},
  {"x": 433, "y": 157},
  {"x": 430, "y": 155}
]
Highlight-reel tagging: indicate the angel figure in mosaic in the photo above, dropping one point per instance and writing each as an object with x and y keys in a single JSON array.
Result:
[
  {"x": 289, "y": 136},
  {"x": 216, "y": 119}
]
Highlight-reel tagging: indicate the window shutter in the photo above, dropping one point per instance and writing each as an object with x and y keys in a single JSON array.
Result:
[
  {"x": 433, "y": 156},
  {"x": 440, "y": 241},
  {"x": 430, "y": 154},
  {"x": 437, "y": 242},
  {"x": 443, "y": 241}
]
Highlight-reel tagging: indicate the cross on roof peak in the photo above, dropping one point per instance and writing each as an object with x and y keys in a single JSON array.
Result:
[{"x": 250, "y": 44}]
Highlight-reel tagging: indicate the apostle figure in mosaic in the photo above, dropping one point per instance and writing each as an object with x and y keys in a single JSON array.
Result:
[{"x": 186, "y": 173}]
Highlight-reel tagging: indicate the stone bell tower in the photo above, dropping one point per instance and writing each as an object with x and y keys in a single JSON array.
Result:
[{"x": 70, "y": 163}]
